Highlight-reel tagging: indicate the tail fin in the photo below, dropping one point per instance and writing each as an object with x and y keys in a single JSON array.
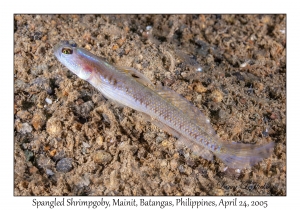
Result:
[{"x": 239, "y": 156}]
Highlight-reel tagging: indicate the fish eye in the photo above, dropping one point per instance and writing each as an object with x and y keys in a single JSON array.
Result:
[{"x": 67, "y": 51}]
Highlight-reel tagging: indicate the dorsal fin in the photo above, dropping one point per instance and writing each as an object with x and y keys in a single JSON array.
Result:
[
  {"x": 138, "y": 76},
  {"x": 190, "y": 110}
]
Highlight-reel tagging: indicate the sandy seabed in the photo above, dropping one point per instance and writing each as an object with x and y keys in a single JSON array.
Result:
[{"x": 70, "y": 140}]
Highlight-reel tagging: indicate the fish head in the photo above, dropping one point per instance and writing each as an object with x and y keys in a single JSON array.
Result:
[{"x": 74, "y": 58}]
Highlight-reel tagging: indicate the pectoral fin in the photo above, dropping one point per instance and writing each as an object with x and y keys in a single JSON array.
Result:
[{"x": 138, "y": 76}]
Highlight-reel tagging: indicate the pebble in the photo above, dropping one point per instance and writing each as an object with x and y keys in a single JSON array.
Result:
[
  {"x": 28, "y": 155},
  {"x": 86, "y": 145},
  {"x": 148, "y": 28},
  {"x": 59, "y": 155},
  {"x": 184, "y": 74},
  {"x": 217, "y": 96},
  {"x": 48, "y": 100},
  {"x": 64, "y": 165},
  {"x": 86, "y": 108},
  {"x": 44, "y": 161},
  {"x": 222, "y": 114},
  {"x": 24, "y": 115},
  {"x": 33, "y": 170},
  {"x": 174, "y": 164},
  {"x": 164, "y": 163},
  {"x": 102, "y": 157},
  {"x": 166, "y": 143},
  {"x": 25, "y": 128},
  {"x": 115, "y": 47},
  {"x": 84, "y": 181},
  {"x": 219, "y": 192},
  {"x": 199, "y": 88},
  {"x": 99, "y": 140},
  {"x": 38, "y": 120},
  {"x": 199, "y": 69},
  {"x": 273, "y": 116},
  {"x": 159, "y": 139},
  {"x": 120, "y": 41},
  {"x": 259, "y": 86},
  {"x": 49, "y": 172},
  {"x": 54, "y": 127},
  {"x": 181, "y": 169},
  {"x": 52, "y": 153}
]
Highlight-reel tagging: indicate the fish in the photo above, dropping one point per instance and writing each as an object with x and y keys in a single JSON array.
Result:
[{"x": 160, "y": 105}]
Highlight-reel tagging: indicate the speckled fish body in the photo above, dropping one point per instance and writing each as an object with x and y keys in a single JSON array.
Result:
[{"x": 165, "y": 108}]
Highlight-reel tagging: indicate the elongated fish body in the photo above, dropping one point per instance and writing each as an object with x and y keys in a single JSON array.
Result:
[{"x": 164, "y": 107}]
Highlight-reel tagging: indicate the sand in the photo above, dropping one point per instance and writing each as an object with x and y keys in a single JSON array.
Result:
[{"x": 70, "y": 140}]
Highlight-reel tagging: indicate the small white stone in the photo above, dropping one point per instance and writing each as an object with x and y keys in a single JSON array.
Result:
[
  {"x": 199, "y": 69},
  {"x": 48, "y": 100},
  {"x": 86, "y": 145},
  {"x": 148, "y": 28},
  {"x": 26, "y": 128},
  {"x": 253, "y": 37},
  {"x": 282, "y": 31},
  {"x": 49, "y": 172},
  {"x": 244, "y": 64},
  {"x": 164, "y": 163}
]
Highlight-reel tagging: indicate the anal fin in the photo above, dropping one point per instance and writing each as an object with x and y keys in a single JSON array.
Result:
[
  {"x": 182, "y": 140},
  {"x": 196, "y": 148}
]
